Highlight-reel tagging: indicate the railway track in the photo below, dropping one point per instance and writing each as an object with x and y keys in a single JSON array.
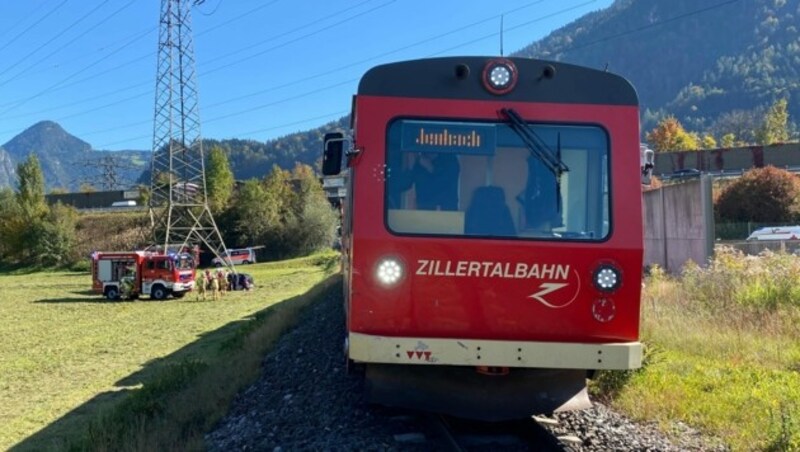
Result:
[{"x": 462, "y": 435}]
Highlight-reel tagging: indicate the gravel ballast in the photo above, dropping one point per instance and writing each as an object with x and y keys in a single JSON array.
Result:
[{"x": 305, "y": 400}]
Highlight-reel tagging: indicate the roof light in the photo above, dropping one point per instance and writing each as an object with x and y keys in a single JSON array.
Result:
[{"x": 499, "y": 76}]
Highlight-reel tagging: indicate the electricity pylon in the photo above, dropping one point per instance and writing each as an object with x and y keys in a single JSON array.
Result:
[
  {"x": 108, "y": 174},
  {"x": 179, "y": 211}
]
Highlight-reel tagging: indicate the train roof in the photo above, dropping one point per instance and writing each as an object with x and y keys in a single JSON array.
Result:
[{"x": 436, "y": 78}]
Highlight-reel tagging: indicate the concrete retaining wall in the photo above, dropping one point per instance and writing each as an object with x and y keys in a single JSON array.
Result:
[{"x": 679, "y": 224}]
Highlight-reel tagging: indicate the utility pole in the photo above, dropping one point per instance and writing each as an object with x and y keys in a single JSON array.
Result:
[{"x": 179, "y": 212}]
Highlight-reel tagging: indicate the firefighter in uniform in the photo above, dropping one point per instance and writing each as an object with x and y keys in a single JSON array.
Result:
[
  {"x": 214, "y": 286},
  {"x": 126, "y": 284},
  {"x": 201, "y": 285}
]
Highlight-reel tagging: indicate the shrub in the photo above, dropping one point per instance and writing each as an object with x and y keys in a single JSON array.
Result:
[
  {"x": 763, "y": 194},
  {"x": 765, "y": 281},
  {"x": 53, "y": 241}
]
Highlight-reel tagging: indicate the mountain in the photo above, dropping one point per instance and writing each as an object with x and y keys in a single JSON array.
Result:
[
  {"x": 53, "y": 146},
  {"x": 67, "y": 161},
  {"x": 697, "y": 60}
]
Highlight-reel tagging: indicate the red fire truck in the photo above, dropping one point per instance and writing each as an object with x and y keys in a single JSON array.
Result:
[{"x": 144, "y": 272}]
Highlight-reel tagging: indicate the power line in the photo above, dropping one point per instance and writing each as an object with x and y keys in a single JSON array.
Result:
[
  {"x": 274, "y": 88},
  {"x": 32, "y": 13},
  {"x": 305, "y": 94},
  {"x": 315, "y": 91},
  {"x": 294, "y": 30},
  {"x": 492, "y": 35},
  {"x": 60, "y": 85},
  {"x": 56, "y": 85},
  {"x": 411, "y": 45},
  {"x": 281, "y": 101},
  {"x": 87, "y": 31},
  {"x": 240, "y": 16},
  {"x": 58, "y": 35},
  {"x": 136, "y": 36},
  {"x": 212, "y": 12},
  {"x": 78, "y": 102},
  {"x": 280, "y": 126},
  {"x": 496, "y": 33},
  {"x": 292, "y": 41},
  {"x": 22, "y": 33},
  {"x": 237, "y": 113}
]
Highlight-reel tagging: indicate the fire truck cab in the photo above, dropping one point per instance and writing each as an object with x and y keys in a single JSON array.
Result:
[{"x": 135, "y": 273}]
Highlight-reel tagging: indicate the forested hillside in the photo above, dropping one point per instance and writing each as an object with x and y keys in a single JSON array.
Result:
[
  {"x": 697, "y": 60},
  {"x": 250, "y": 158}
]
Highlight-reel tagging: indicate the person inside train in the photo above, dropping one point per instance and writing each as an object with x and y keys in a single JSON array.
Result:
[{"x": 434, "y": 177}]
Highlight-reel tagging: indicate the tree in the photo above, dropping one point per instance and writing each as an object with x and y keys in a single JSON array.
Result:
[
  {"x": 30, "y": 231},
  {"x": 741, "y": 124},
  {"x": 250, "y": 215},
  {"x": 314, "y": 223},
  {"x": 219, "y": 180},
  {"x": 286, "y": 212},
  {"x": 728, "y": 140},
  {"x": 669, "y": 135},
  {"x": 54, "y": 238},
  {"x": 774, "y": 127},
  {"x": 9, "y": 224},
  {"x": 30, "y": 196},
  {"x": 768, "y": 195},
  {"x": 709, "y": 142},
  {"x": 281, "y": 194}
]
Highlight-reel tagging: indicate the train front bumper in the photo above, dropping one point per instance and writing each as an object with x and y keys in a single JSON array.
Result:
[{"x": 479, "y": 352}]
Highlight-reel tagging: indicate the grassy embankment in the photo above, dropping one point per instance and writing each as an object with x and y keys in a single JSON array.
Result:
[
  {"x": 77, "y": 372},
  {"x": 724, "y": 351}
]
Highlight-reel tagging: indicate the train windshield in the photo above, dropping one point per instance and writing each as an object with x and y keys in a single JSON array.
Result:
[{"x": 485, "y": 180}]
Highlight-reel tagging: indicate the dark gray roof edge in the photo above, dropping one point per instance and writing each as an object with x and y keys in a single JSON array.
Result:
[{"x": 436, "y": 78}]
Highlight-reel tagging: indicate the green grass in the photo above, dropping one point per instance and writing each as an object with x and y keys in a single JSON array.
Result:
[
  {"x": 76, "y": 370},
  {"x": 727, "y": 352}
]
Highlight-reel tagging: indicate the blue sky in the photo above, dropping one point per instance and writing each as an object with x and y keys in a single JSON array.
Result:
[{"x": 266, "y": 68}]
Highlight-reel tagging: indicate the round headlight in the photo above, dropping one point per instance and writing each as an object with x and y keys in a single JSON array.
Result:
[
  {"x": 389, "y": 271},
  {"x": 606, "y": 278},
  {"x": 500, "y": 76}
]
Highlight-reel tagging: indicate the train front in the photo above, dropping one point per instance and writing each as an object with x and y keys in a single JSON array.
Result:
[{"x": 493, "y": 236}]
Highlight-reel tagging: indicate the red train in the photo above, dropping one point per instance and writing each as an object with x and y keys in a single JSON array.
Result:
[{"x": 492, "y": 233}]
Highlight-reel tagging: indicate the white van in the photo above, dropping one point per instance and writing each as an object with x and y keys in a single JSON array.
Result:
[
  {"x": 128, "y": 203},
  {"x": 776, "y": 233},
  {"x": 240, "y": 256}
]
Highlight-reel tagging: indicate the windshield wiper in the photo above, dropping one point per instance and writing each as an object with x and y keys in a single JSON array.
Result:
[{"x": 551, "y": 159}]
